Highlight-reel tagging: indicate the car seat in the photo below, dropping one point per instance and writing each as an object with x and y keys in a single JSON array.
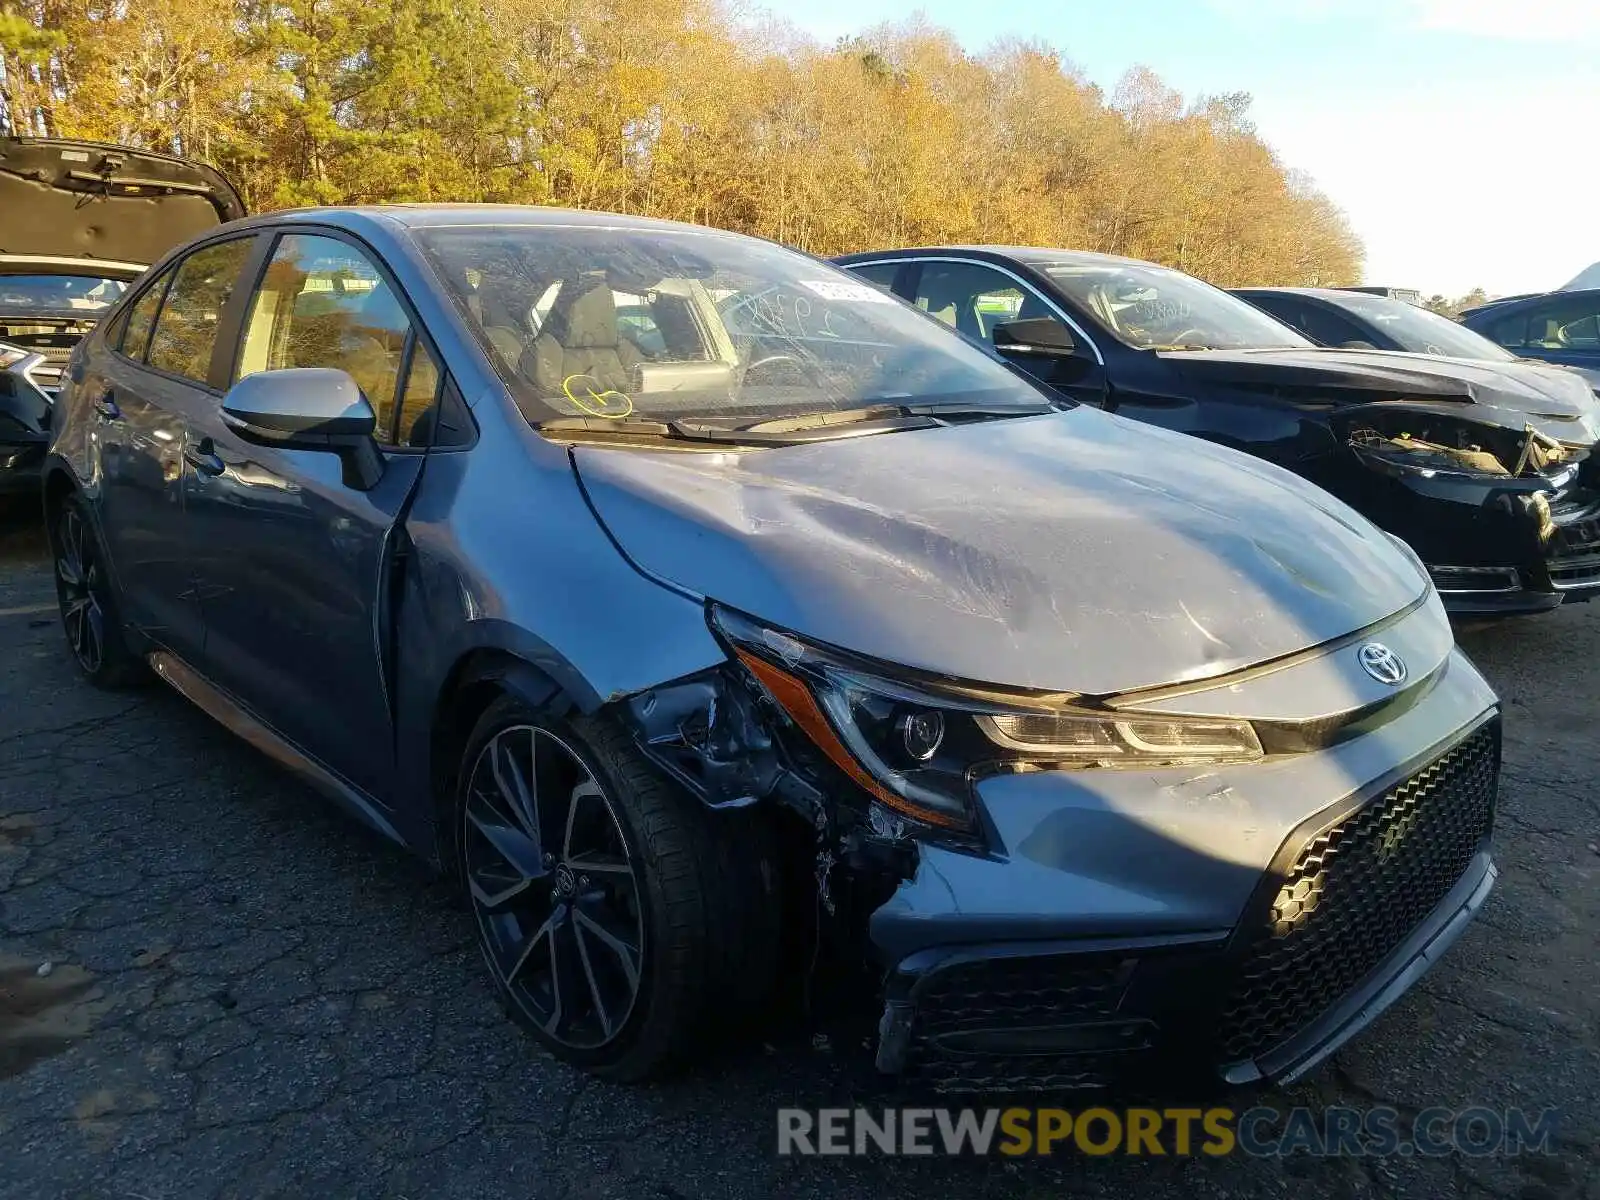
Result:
[{"x": 580, "y": 338}]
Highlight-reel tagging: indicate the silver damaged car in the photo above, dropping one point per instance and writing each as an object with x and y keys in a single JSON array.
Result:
[{"x": 696, "y": 605}]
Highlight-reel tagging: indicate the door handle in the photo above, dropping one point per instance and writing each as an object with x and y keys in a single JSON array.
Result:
[
  {"x": 106, "y": 405},
  {"x": 202, "y": 456}
]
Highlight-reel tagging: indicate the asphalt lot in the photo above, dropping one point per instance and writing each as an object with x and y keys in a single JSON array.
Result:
[{"x": 251, "y": 996}]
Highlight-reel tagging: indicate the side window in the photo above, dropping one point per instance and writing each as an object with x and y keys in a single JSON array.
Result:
[
  {"x": 186, "y": 331},
  {"x": 637, "y": 323},
  {"x": 880, "y": 275},
  {"x": 418, "y": 399},
  {"x": 1328, "y": 328},
  {"x": 1583, "y": 333},
  {"x": 135, "y": 332},
  {"x": 323, "y": 303},
  {"x": 973, "y": 299},
  {"x": 1281, "y": 308},
  {"x": 1512, "y": 332}
]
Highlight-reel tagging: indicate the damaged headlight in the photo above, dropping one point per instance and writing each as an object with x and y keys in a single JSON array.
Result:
[
  {"x": 918, "y": 747},
  {"x": 1401, "y": 442}
]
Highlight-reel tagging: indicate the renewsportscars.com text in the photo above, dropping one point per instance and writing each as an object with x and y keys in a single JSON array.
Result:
[{"x": 1212, "y": 1132}]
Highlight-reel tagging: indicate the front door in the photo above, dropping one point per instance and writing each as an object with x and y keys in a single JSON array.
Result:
[
  {"x": 292, "y": 561},
  {"x": 973, "y": 298}
]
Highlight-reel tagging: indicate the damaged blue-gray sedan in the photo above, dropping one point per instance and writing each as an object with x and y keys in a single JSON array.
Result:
[{"x": 692, "y": 601}]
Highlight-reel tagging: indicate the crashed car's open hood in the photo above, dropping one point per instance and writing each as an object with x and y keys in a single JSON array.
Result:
[
  {"x": 1558, "y": 403},
  {"x": 89, "y": 200},
  {"x": 1069, "y": 552}
]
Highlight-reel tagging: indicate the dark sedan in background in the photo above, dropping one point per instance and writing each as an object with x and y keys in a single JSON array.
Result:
[
  {"x": 81, "y": 221},
  {"x": 1562, "y": 327},
  {"x": 1353, "y": 320},
  {"x": 1484, "y": 468},
  {"x": 1336, "y": 317},
  {"x": 693, "y": 601}
]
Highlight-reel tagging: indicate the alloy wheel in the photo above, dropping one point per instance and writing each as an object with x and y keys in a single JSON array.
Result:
[
  {"x": 554, "y": 887},
  {"x": 79, "y": 584}
]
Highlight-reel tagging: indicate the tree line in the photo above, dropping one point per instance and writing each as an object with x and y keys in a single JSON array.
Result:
[
  {"x": 685, "y": 109},
  {"x": 1446, "y": 307}
]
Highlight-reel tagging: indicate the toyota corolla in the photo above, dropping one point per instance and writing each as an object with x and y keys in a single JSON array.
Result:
[{"x": 668, "y": 587}]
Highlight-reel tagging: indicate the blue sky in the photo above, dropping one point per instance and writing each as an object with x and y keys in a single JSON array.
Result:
[{"x": 1462, "y": 137}]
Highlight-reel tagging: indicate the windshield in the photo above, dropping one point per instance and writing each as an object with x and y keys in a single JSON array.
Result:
[
  {"x": 672, "y": 324},
  {"x": 1423, "y": 332},
  {"x": 63, "y": 293},
  {"x": 1153, "y": 308}
]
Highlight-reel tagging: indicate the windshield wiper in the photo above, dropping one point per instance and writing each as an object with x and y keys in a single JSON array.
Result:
[
  {"x": 788, "y": 430},
  {"x": 928, "y": 414},
  {"x": 626, "y": 427},
  {"x": 684, "y": 431}
]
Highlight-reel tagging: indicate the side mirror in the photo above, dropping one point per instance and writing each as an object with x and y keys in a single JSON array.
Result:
[
  {"x": 308, "y": 408},
  {"x": 1038, "y": 336}
]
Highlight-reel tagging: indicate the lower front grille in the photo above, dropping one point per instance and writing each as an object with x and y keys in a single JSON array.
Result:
[
  {"x": 1572, "y": 571},
  {"x": 971, "y": 1017},
  {"x": 1357, "y": 890}
]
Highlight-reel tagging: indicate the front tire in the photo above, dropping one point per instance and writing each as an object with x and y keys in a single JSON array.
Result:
[
  {"x": 616, "y": 916},
  {"x": 87, "y": 599}
]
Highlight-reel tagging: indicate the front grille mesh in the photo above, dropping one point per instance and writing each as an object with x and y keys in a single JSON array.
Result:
[
  {"x": 1010, "y": 994},
  {"x": 1355, "y": 892},
  {"x": 1006, "y": 993}
]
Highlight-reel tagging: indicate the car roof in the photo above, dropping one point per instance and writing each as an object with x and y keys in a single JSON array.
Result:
[
  {"x": 1317, "y": 292},
  {"x": 1511, "y": 303},
  {"x": 425, "y": 216},
  {"x": 1033, "y": 256}
]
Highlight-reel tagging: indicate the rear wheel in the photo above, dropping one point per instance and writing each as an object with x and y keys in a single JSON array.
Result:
[
  {"x": 605, "y": 905},
  {"x": 89, "y": 614}
]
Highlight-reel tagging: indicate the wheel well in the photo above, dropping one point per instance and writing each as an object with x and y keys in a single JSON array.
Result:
[
  {"x": 58, "y": 485},
  {"x": 474, "y": 683}
]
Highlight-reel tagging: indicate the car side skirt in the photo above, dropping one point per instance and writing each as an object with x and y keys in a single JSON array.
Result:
[{"x": 238, "y": 720}]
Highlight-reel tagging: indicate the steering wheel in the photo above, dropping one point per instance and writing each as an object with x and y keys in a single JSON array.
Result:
[
  {"x": 782, "y": 357},
  {"x": 1182, "y": 339}
]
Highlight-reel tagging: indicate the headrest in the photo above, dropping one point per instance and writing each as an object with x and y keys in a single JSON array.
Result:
[{"x": 591, "y": 320}]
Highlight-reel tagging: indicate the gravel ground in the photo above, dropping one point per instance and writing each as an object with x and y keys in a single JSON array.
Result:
[{"x": 251, "y": 996}]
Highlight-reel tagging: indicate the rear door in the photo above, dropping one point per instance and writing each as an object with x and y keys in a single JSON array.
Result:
[
  {"x": 157, "y": 374},
  {"x": 293, "y": 562}
]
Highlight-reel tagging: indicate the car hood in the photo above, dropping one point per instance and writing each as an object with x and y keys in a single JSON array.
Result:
[
  {"x": 1070, "y": 552},
  {"x": 1560, "y": 404},
  {"x": 91, "y": 200}
]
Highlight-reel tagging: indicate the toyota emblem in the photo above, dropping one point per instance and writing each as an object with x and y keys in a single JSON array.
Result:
[{"x": 1382, "y": 663}]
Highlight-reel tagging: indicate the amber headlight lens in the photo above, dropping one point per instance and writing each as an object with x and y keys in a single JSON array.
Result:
[{"x": 918, "y": 747}]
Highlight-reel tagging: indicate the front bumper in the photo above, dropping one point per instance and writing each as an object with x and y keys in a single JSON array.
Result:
[
  {"x": 1224, "y": 940},
  {"x": 1493, "y": 547}
]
